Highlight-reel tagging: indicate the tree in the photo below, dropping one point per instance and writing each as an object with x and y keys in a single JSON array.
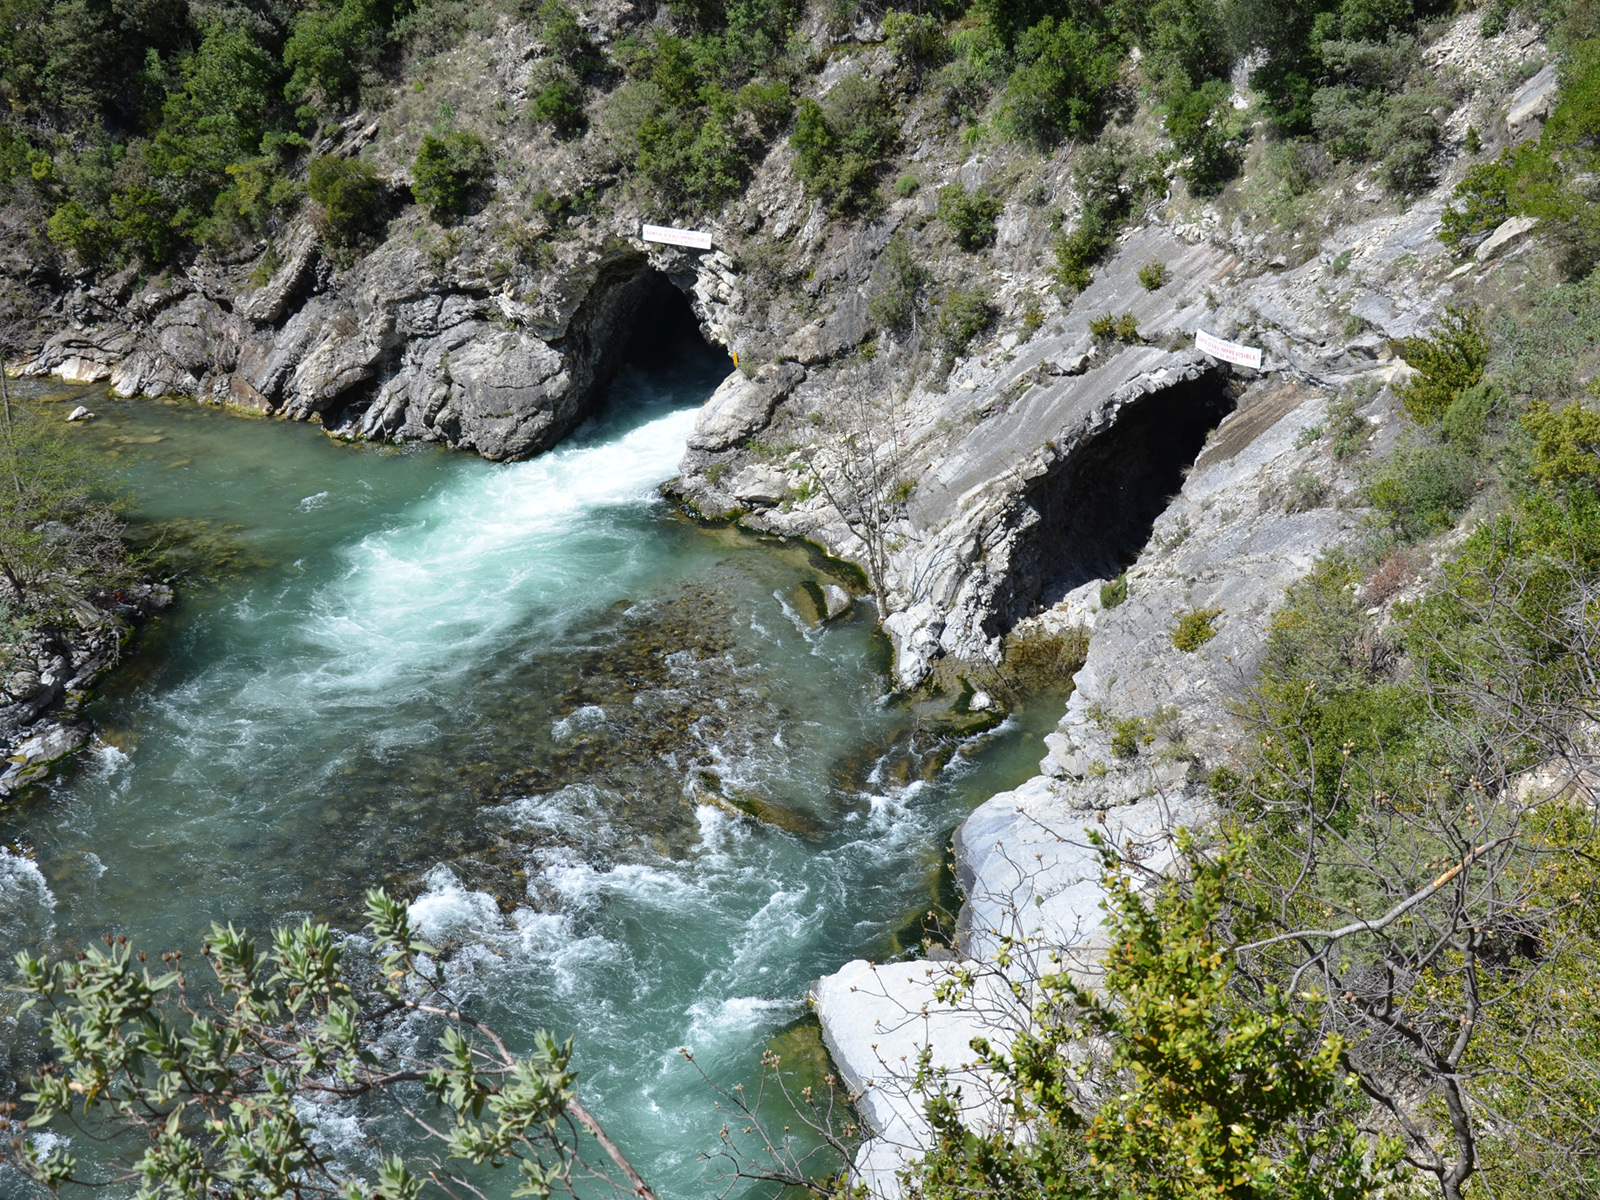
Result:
[
  {"x": 204, "y": 1089},
  {"x": 860, "y": 462},
  {"x": 1193, "y": 1093},
  {"x": 449, "y": 168}
]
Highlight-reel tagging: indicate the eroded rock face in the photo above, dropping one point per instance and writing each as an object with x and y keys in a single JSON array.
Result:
[{"x": 401, "y": 346}]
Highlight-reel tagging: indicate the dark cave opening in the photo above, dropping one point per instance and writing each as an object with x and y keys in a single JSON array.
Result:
[
  {"x": 642, "y": 323},
  {"x": 1095, "y": 512}
]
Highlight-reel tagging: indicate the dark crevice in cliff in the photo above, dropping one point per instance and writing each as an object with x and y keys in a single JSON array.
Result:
[{"x": 1094, "y": 512}]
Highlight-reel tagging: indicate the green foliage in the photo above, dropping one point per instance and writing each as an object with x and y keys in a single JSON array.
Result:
[
  {"x": 1065, "y": 71},
  {"x": 350, "y": 195},
  {"x": 1194, "y": 629},
  {"x": 1109, "y": 178},
  {"x": 1040, "y": 661},
  {"x": 1153, "y": 276},
  {"x": 60, "y": 539},
  {"x": 204, "y": 1098},
  {"x": 906, "y": 186},
  {"x": 1566, "y": 442},
  {"x": 769, "y": 104},
  {"x": 840, "y": 142},
  {"x": 915, "y": 40},
  {"x": 1347, "y": 428},
  {"x": 1126, "y": 735},
  {"x": 559, "y": 28},
  {"x": 1200, "y": 123},
  {"x": 327, "y": 47},
  {"x": 962, "y": 317},
  {"x": 1422, "y": 488},
  {"x": 1202, "y": 1097},
  {"x": 896, "y": 283},
  {"x": 448, "y": 170},
  {"x": 1114, "y": 592},
  {"x": 558, "y": 102},
  {"x": 1106, "y": 327},
  {"x": 1447, "y": 361},
  {"x": 970, "y": 215}
]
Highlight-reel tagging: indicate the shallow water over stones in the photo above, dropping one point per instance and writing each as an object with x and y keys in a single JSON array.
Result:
[{"x": 535, "y": 699}]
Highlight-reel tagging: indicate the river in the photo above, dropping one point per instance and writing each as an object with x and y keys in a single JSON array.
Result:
[{"x": 504, "y": 691}]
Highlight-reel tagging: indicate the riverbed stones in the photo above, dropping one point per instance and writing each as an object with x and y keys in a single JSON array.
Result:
[{"x": 30, "y": 761}]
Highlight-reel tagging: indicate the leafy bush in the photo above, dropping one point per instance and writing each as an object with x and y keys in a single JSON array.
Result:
[
  {"x": 1106, "y": 327},
  {"x": 1108, "y": 178},
  {"x": 1153, "y": 276},
  {"x": 558, "y": 26},
  {"x": 449, "y": 168},
  {"x": 1065, "y": 70},
  {"x": 906, "y": 186},
  {"x": 962, "y": 317},
  {"x": 1199, "y": 122},
  {"x": 896, "y": 281},
  {"x": 1449, "y": 360},
  {"x": 1194, "y": 629},
  {"x": 558, "y": 102},
  {"x": 349, "y": 193},
  {"x": 1114, "y": 592},
  {"x": 915, "y": 39},
  {"x": 1126, "y": 734},
  {"x": 970, "y": 215},
  {"x": 1566, "y": 442},
  {"x": 1422, "y": 488},
  {"x": 839, "y": 142},
  {"x": 769, "y": 104}
]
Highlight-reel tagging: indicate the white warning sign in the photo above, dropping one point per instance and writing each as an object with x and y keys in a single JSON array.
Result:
[
  {"x": 691, "y": 238},
  {"x": 1245, "y": 356}
]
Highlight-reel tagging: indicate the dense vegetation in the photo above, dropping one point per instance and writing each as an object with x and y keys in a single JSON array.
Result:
[{"x": 146, "y": 132}]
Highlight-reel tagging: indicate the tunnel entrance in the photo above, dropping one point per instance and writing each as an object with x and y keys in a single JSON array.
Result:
[
  {"x": 645, "y": 333},
  {"x": 1095, "y": 512}
]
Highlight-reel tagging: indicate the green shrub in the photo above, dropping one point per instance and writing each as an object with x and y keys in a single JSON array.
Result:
[
  {"x": 915, "y": 39},
  {"x": 1422, "y": 488},
  {"x": 1106, "y": 327},
  {"x": 1194, "y": 629},
  {"x": 1307, "y": 491},
  {"x": 839, "y": 143},
  {"x": 1114, "y": 592},
  {"x": 558, "y": 102},
  {"x": 1036, "y": 661},
  {"x": 559, "y": 28},
  {"x": 970, "y": 215},
  {"x": 1065, "y": 72},
  {"x": 1346, "y": 426},
  {"x": 1108, "y": 178},
  {"x": 449, "y": 168},
  {"x": 1450, "y": 359},
  {"x": 1153, "y": 276},
  {"x": 769, "y": 104},
  {"x": 1199, "y": 122},
  {"x": 906, "y": 186},
  {"x": 1126, "y": 734},
  {"x": 1408, "y": 130},
  {"x": 896, "y": 282},
  {"x": 1566, "y": 442},
  {"x": 962, "y": 317},
  {"x": 89, "y": 237},
  {"x": 349, "y": 193}
]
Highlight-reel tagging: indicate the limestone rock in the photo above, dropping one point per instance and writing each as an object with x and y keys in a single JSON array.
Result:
[
  {"x": 31, "y": 760},
  {"x": 81, "y": 413},
  {"x": 760, "y": 484},
  {"x": 1509, "y": 231},
  {"x": 1532, "y": 102},
  {"x": 843, "y": 329},
  {"x": 876, "y": 1021},
  {"x": 837, "y": 600},
  {"x": 269, "y": 304},
  {"x": 511, "y": 395},
  {"x": 742, "y": 407}
]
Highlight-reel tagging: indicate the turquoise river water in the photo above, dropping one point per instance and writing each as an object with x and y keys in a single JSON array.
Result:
[{"x": 503, "y": 691}]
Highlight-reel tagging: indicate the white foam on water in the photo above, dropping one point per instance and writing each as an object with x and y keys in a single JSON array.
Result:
[
  {"x": 715, "y": 1019},
  {"x": 447, "y": 909},
  {"x": 26, "y": 900}
]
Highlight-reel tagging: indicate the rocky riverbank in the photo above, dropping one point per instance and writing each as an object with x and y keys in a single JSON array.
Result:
[{"x": 49, "y": 678}]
